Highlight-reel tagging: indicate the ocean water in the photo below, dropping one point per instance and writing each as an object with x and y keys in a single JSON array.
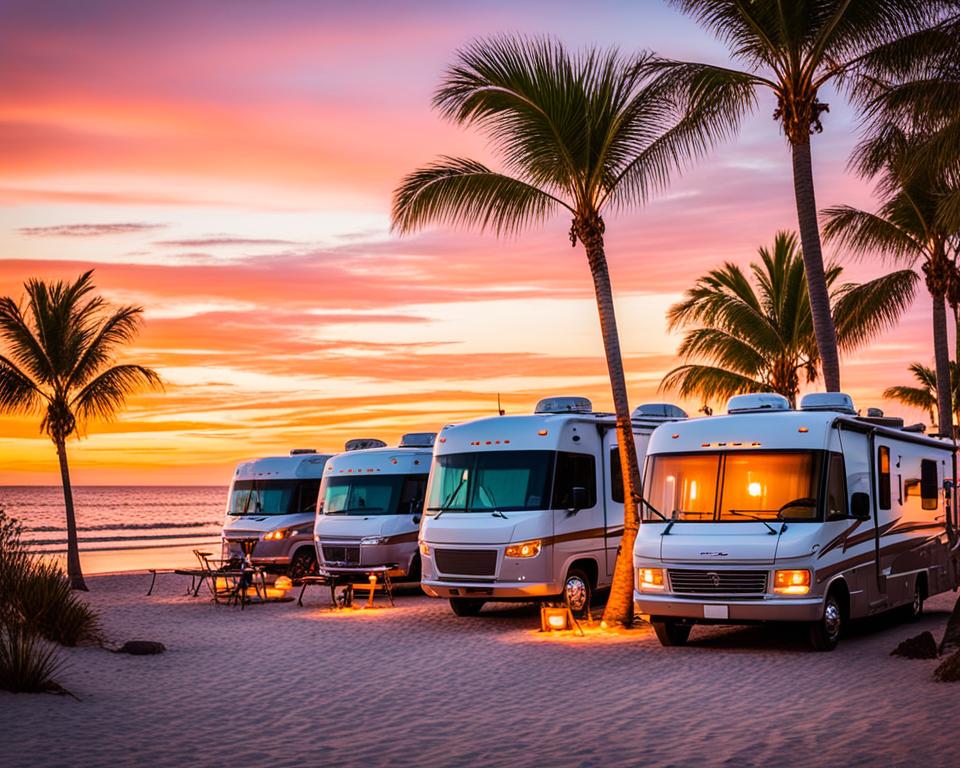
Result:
[{"x": 121, "y": 528}]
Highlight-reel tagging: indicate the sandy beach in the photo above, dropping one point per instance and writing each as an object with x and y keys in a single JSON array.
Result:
[{"x": 413, "y": 685}]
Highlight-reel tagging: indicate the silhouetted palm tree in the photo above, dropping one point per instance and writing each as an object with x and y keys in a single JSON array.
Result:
[
  {"x": 58, "y": 362},
  {"x": 758, "y": 337},
  {"x": 577, "y": 134},
  {"x": 924, "y": 396},
  {"x": 907, "y": 227},
  {"x": 794, "y": 49}
]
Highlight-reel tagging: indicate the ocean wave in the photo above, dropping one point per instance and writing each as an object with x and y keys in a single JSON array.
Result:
[
  {"x": 101, "y": 539},
  {"x": 124, "y": 526}
]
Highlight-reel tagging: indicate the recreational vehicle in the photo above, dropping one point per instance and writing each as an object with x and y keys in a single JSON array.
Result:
[
  {"x": 528, "y": 507},
  {"x": 271, "y": 507},
  {"x": 815, "y": 515},
  {"x": 370, "y": 506}
]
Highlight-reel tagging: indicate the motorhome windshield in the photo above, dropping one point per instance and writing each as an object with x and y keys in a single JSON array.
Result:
[
  {"x": 374, "y": 495},
  {"x": 273, "y": 497},
  {"x": 734, "y": 486},
  {"x": 495, "y": 481}
]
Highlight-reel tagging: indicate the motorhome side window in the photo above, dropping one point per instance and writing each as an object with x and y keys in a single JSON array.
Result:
[
  {"x": 307, "y": 501},
  {"x": 836, "y": 488},
  {"x": 929, "y": 487},
  {"x": 616, "y": 476},
  {"x": 574, "y": 470},
  {"x": 883, "y": 477},
  {"x": 411, "y": 495}
]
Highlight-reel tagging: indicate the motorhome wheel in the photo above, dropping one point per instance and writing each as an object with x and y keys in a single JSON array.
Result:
[
  {"x": 466, "y": 606},
  {"x": 577, "y": 588},
  {"x": 825, "y": 633},
  {"x": 671, "y": 633},
  {"x": 914, "y": 609},
  {"x": 303, "y": 564}
]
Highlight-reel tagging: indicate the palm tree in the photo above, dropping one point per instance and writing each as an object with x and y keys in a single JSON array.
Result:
[
  {"x": 758, "y": 337},
  {"x": 58, "y": 362},
  {"x": 924, "y": 396},
  {"x": 578, "y": 134},
  {"x": 794, "y": 49},
  {"x": 907, "y": 226}
]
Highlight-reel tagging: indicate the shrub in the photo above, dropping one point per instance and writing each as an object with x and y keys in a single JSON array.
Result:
[
  {"x": 27, "y": 665},
  {"x": 35, "y": 594}
]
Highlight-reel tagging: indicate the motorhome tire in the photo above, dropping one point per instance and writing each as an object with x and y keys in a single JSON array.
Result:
[
  {"x": 914, "y": 609},
  {"x": 825, "y": 633},
  {"x": 672, "y": 633},
  {"x": 577, "y": 586},
  {"x": 466, "y": 606},
  {"x": 304, "y": 563}
]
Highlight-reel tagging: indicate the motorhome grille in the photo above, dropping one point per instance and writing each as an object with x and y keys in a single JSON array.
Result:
[
  {"x": 688, "y": 582},
  {"x": 467, "y": 562},
  {"x": 341, "y": 554}
]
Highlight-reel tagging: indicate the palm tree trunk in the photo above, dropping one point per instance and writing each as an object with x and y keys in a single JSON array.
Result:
[
  {"x": 619, "y": 607},
  {"x": 74, "y": 572},
  {"x": 941, "y": 352},
  {"x": 813, "y": 265}
]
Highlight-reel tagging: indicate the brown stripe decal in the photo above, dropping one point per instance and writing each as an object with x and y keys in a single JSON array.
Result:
[{"x": 401, "y": 538}]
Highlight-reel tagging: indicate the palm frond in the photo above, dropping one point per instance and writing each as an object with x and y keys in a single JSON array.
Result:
[
  {"x": 18, "y": 392},
  {"x": 463, "y": 192},
  {"x": 686, "y": 110},
  {"x": 23, "y": 345},
  {"x": 529, "y": 97},
  {"x": 121, "y": 327},
  {"x": 861, "y": 312},
  {"x": 867, "y": 234},
  {"x": 724, "y": 349},
  {"x": 105, "y": 394},
  {"x": 708, "y": 382}
]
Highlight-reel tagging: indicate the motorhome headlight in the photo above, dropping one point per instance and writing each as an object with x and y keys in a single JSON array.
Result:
[
  {"x": 795, "y": 582},
  {"x": 424, "y": 549},
  {"x": 282, "y": 533},
  {"x": 650, "y": 579},
  {"x": 526, "y": 549},
  {"x": 372, "y": 540}
]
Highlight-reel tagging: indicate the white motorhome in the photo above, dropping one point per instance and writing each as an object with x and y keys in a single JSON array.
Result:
[
  {"x": 271, "y": 507},
  {"x": 527, "y": 507},
  {"x": 815, "y": 515},
  {"x": 370, "y": 506}
]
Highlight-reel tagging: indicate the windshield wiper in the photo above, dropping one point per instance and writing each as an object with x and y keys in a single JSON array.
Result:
[
  {"x": 737, "y": 513},
  {"x": 653, "y": 509},
  {"x": 495, "y": 512},
  {"x": 347, "y": 510},
  {"x": 445, "y": 506}
]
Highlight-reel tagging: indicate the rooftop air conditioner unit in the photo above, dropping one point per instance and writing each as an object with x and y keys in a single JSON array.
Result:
[
  {"x": 828, "y": 401},
  {"x": 362, "y": 443},
  {"x": 418, "y": 440},
  {"x": 564, "y": 405},
  {"x": 757, "y": 402},
  {"x": 302, "y": 451},
  {"x": 661, "y": 411}
]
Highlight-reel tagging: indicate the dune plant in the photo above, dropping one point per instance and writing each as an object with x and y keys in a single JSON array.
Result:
[
  {"x": 758, "y": 336},
  {"x": 35, "y": 594},
  {"x": 58, "y": 360},
  {"x": 27, "y": 664},
  {"x": 795, "y": 50},
  {"x": 578, "y": 134}
]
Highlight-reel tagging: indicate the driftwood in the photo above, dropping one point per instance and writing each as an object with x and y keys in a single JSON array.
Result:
[
  {"x": 949, "y": 669},
  {"x": 141, "y": 647},
  {"x": 923, "y": 646}
]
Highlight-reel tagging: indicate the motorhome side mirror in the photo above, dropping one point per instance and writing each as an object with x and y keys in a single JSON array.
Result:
[
  {"x": 416, "y": 519},
  {"x": 578, "y": 499},
  {"x": 860, "y": 505}
]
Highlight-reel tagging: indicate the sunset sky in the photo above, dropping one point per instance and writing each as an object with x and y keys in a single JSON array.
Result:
[{"x": 228, "y": 166}]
